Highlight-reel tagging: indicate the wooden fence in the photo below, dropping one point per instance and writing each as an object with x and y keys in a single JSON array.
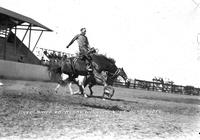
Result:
[{"x": 158, "y": 86}]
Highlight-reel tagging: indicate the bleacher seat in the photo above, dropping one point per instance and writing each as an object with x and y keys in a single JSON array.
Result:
[{"x": 13, "y": 53}]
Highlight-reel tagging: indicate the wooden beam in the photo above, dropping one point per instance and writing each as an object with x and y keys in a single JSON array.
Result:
[
  {"x": 37, "y": 41},
  {"x": 15, "y": 40},
  {"x": 31, "y": 29},
  {"x": 5, "y": 44}
]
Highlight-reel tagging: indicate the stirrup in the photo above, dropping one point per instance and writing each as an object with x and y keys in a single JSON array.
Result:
[
  {"x": 89, "y": 71},
  {"x": 89, "y": 67}
]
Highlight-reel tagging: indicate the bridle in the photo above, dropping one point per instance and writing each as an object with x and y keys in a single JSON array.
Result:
[{"x": 114, "y": 75}]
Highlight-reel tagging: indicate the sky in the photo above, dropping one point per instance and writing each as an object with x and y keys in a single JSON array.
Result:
[{"x": 147, "y": 38}]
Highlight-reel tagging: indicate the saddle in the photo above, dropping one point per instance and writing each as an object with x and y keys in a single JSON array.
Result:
[
  {"x": 83, "y": 57},
  {"x": 72, "y": 62}
]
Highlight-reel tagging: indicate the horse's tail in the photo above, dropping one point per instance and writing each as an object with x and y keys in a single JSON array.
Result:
[
  {"x": 55, "y": 69},
  {"x": 58, "y": 70}
]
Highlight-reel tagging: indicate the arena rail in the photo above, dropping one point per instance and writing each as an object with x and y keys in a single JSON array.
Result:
[{"x": 162, "y": 87}]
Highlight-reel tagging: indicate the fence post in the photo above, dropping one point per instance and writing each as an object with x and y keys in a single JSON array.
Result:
[
  {"x": 153, "y": 86},
  {"x": 172, "y": 88},
  {"x": 134, "y": 84}
]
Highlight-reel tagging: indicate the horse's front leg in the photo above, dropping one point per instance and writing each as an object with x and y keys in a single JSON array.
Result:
[
  {"x": 109, "y": 91},
  {"x": 101, "y": 80},
  {"x": 104, "y": 89}
]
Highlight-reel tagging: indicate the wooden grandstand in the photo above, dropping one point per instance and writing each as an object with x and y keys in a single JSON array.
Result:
[{"x": 11, "y": 47}]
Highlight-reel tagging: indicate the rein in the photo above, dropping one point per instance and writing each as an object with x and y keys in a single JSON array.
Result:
[{"x": 113, "y": 75}]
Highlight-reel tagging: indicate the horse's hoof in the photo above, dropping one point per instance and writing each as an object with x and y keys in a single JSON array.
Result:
[{"x": 76, "y": 93}]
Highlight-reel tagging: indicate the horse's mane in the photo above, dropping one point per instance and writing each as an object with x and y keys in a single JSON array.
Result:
[{"x": 107, "y": 58}]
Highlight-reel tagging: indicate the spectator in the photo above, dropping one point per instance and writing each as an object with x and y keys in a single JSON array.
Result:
[
  {"x": 45, "y": 52},
  {"x": 59, "y": 56},
  {"x": 21, "y": 59},
  {"x": 42, "y": 61}
]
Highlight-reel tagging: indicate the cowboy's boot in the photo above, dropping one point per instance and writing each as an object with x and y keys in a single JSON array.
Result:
[{"x": 89, "y": 67}]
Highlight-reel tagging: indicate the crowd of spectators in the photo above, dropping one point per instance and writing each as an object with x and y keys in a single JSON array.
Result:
[{"x": 53, "y": 56}]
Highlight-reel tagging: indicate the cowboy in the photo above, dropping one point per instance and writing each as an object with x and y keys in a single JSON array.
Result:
[{"x": 84, "y": 47}]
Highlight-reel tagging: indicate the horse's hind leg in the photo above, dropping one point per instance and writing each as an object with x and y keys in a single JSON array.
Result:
[
  {"x": 82, "y": 89},
  {"x": 57, "y": 87},
  {"x": 79, "y": 88},
  {"x": 70, "y": 88},
  {"x": 90, "y": 88},
  {"x": 81, "y": 80}
]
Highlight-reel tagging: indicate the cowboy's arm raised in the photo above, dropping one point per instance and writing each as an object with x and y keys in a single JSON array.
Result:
[{"x": 72, "y": 41}]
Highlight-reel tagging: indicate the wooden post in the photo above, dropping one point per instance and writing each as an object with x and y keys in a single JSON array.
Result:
[
  {"x": 5, "y": 44},
  {"x": 29, "y": 42},
  {"x": 153, "y": 86},
  {"x": 15, "y": 41},
  {"x": 134, "y": 83}
]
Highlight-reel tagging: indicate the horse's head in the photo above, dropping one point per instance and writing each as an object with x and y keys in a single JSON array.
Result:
[{"x": 123, "y": 74}]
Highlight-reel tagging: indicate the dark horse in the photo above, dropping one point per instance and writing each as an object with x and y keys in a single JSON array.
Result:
[{"x": 76, "y": 66}]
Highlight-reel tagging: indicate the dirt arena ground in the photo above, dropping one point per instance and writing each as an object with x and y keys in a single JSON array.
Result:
[{"x": 32, "y": 110}]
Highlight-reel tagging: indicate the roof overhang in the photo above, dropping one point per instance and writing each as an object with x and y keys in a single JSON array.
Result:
[{"x": 13, "y": 19}]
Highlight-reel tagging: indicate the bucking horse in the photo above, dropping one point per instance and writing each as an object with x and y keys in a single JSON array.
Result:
[{"x": 75, "y": 66}]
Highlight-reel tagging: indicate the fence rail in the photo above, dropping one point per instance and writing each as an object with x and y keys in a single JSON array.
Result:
[{"x": 158, "y": 86}]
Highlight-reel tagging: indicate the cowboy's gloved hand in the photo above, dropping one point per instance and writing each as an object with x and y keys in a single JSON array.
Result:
[{"x": 67, "y": 46}]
